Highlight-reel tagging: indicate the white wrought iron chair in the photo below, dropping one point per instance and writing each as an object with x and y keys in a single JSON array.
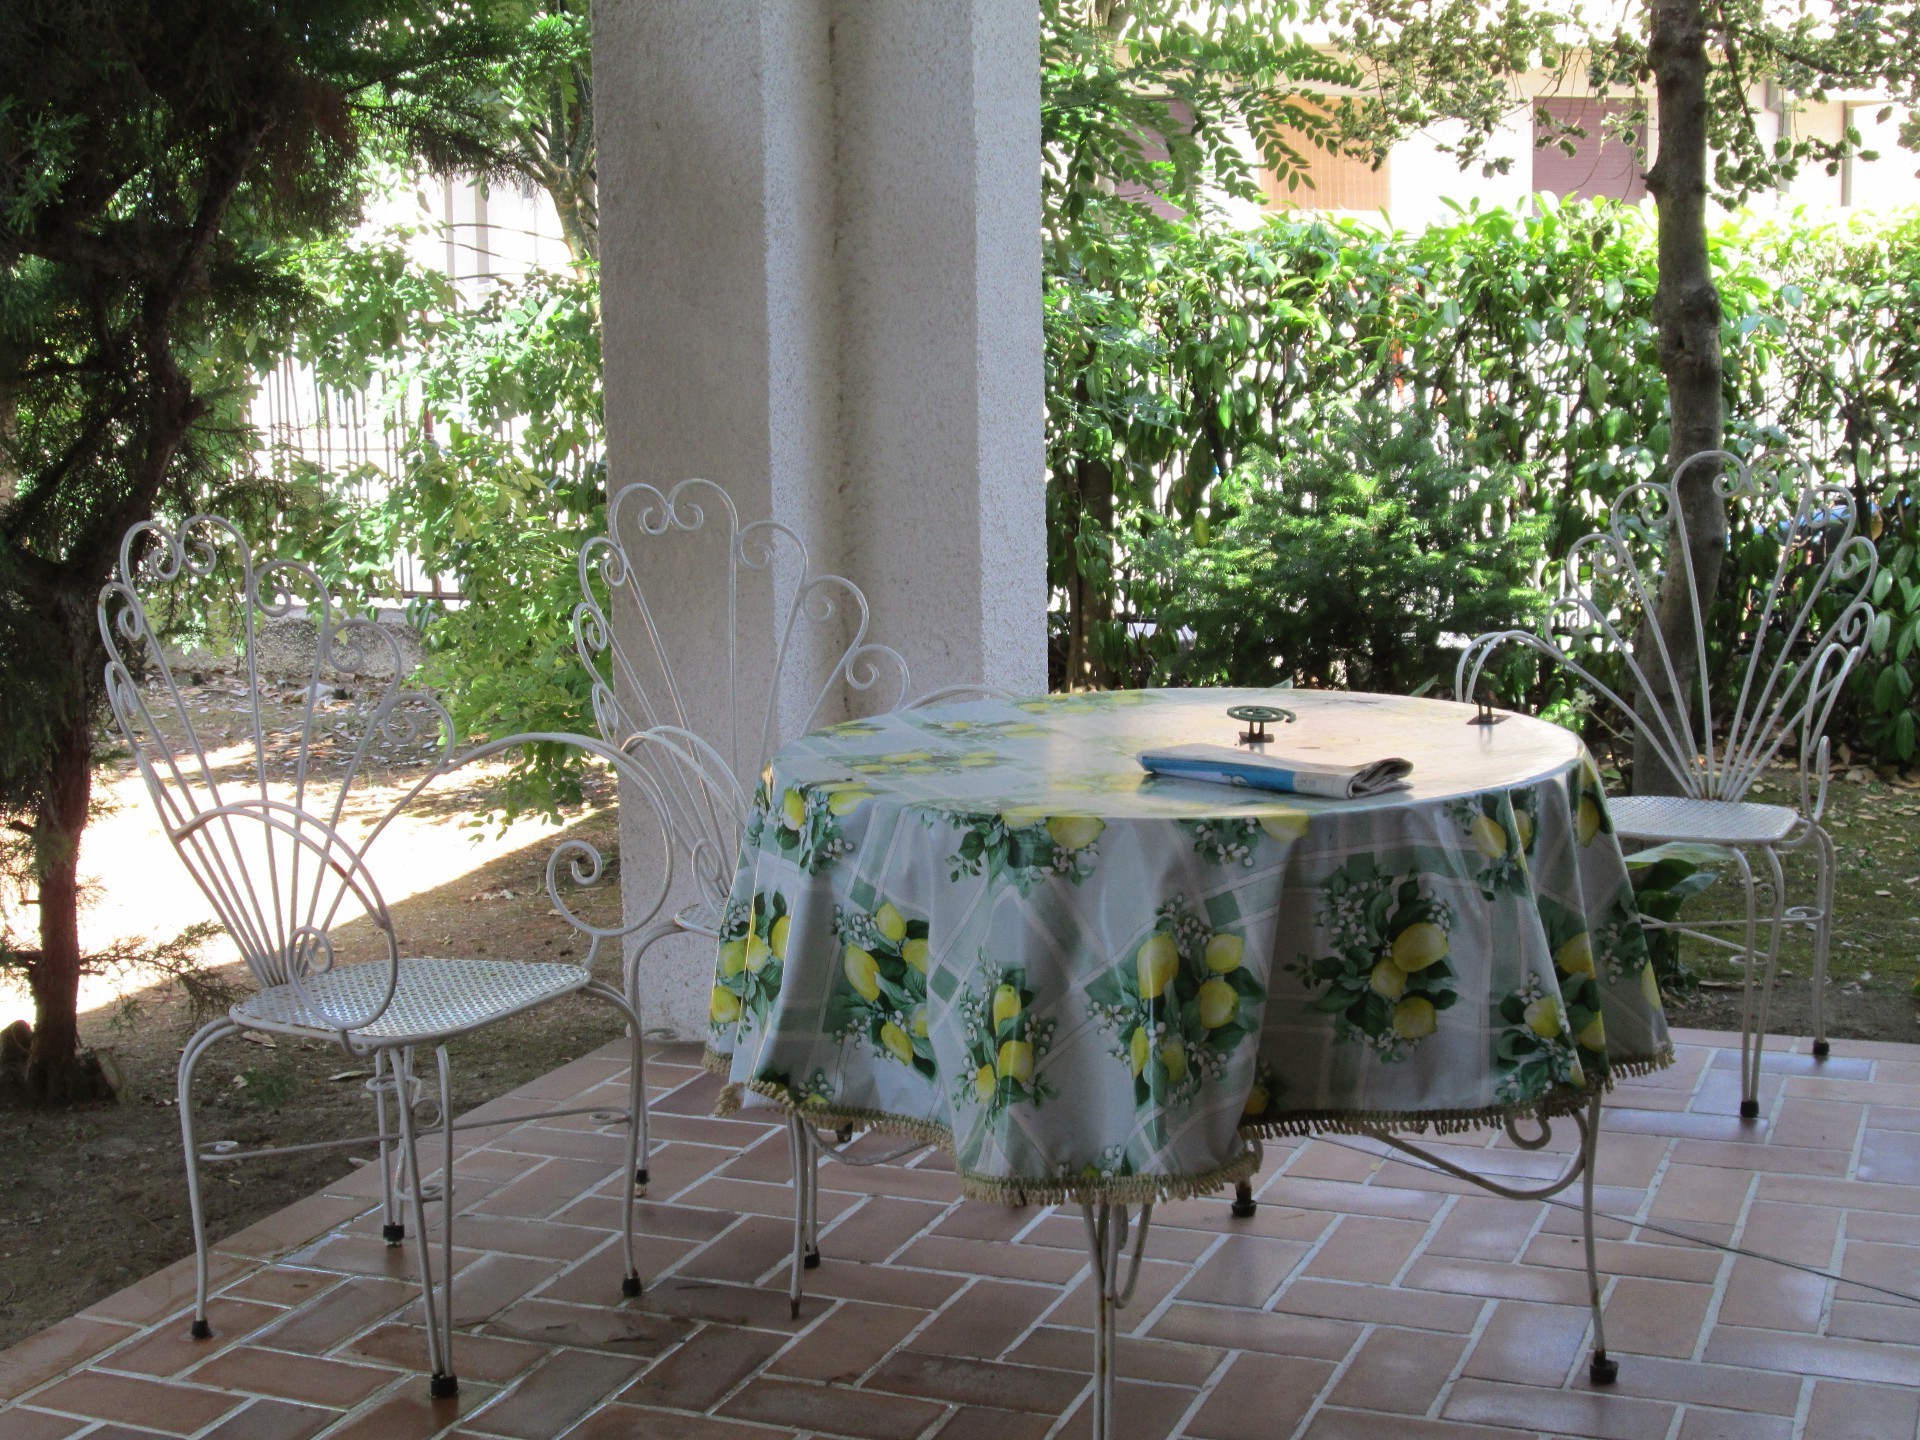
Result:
[
  {"x": 264, "y": 831},
  {"x": 707, "y": 758},
  {"x": 1794, "y": 640}
]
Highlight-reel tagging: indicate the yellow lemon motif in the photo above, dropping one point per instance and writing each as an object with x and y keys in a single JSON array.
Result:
[
  {"x": 1006, "y": 1005},
  {"x": 793, "y": 808},
  {"x": 890, "y": 923},
  {"x": 1650, "y": 987},
  {"x": 1016, "y": 1061},
  {"x": 1418, "y": 946},
  {"x": 1224, "y": 952},
  {"x": 863, "y": 972},
  {"x": 1489, "y": 837},
  {"x": 1173, "y": 1055},
  {"x": 1523, "y": 824},
  {"x": 1388, "y": 980},
  {"x": 1219, "y": 1003},
  {"x": 895, "y": 1039},
  {"x": 1138, "y": 1048},
  {"x": 1576, "y": 956},
  {"x": 1256, "y": 1101},
  {"x": 984, "y": 1081},
  {"x": 1157, "y": 963},
  {"x": 1544, "y": 1018},
  {"x": 845, "y": 802},
  {"x": 974, "y": 759},
  {"x": 1593, "y": 1035},
  {"x": 1285, "y": 824},
  {"x": 920, "y": 1022},
  {"x": 1075, "y": 832},
  {"x": 1024, "y": 731},
  {"x": 906, "y": 757},
  {"x": 914, "y": 952},
  {"x": 724, "y": 1006},
  {"x": 757, "y": 953},
  {"x": 1414, "y": 1018},
  {"x": 1587, "y": 823},
  {"x": 733, "y": 958},
  {"x": 1018, "y": 817},
  {"x": 777, "y": 936}
]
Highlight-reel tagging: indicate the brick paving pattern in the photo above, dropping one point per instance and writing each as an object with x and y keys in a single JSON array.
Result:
[{"x": 1368, "y": 1297}]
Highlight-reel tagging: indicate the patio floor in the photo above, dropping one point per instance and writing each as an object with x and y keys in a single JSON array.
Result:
[{"x": 1368, "y": 1297}]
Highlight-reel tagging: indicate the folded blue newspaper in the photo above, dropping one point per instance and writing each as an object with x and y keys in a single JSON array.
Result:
[{"x": 1224, "y": 765}]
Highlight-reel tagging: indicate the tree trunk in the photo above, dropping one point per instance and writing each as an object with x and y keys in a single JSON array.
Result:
[
  {"x": 1089, "y": 604},
  {"x": 1687, "y": 313},
  {"x": 55, "y": 1073}
]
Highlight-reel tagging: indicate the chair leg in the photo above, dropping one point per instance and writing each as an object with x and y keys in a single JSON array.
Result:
[
  {"x": 446, "y": 1217},
  {"x": 636, "y": 1126},
  {"x": 439, "y": 1358},
  {"x": 1823, "y": 861},
  {"x": 1776, "y": 929},
  {"x": 393, "y": 1230},
  {"x": 806, "y": 1206},
  {"x": 630, "y": 987},
  {"x": 1750, "y": 1043},
  {"x": 196, "y": 1047}
]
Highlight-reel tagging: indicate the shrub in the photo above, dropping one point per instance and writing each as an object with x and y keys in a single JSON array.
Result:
[{"x": 1348, "y": 560}]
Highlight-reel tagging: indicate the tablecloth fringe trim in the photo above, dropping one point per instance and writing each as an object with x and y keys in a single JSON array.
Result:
[
  {"x": 1108, "y": 1189},
  {"x": 1307, "y": 1123},
  {"x": 1629, "y": 1069}
]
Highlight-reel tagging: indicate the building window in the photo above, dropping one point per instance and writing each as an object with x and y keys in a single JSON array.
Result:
[
  {"x": 1602, "y": 164},
  {"x": 1340, "y": 182}
]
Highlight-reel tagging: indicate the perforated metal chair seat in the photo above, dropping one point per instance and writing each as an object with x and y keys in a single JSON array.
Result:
[
  {"x": 1663, "y": 818},
  {"x": 432, "y": 999}
]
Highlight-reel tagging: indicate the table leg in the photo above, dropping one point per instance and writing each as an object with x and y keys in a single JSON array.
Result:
[
  {"x": 806, "y": 1196},
  {"x": 1107, "y": 1227},
  {"x": 1602, "y": 1370},
  {"x": 1244, "y": 1204}
]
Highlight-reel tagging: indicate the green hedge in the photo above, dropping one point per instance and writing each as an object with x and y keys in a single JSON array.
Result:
[{"x": 1523, "y": 343}]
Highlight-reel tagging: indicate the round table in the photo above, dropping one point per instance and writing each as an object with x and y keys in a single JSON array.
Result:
[{"x": 985, "y": 925}]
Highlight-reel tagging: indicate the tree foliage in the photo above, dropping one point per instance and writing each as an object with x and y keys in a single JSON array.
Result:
[
  {"x": 500, "y": 480},
  {"x": 155, "y": 161}
]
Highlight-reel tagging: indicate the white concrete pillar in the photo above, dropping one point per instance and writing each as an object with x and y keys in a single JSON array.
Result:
[{"x": 820, "y": 252}]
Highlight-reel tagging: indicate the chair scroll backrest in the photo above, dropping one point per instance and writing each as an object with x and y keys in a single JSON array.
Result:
[
  {"x": 1789, "y": 641},
  {"x": 642, "y": 628},
  {"x": 261, "y": 819},
  {"x": 257, "y": 816}
]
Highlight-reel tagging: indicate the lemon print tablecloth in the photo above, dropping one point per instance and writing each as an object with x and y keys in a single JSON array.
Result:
[{"x": 985, "y": 925}]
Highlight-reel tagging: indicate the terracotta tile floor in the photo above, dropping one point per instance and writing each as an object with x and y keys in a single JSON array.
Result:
[{"x": 1368, "y": 1297}]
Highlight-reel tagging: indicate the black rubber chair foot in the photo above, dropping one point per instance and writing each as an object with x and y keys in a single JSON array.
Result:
[
  {"x": 1603, "y": 1371},
  {"x": 393, "y": 1234},
  {"x": 630, "y": 1286},
  {"x": 640, "y": 1176},
  {"x": 1749, "y": 1109},
  {"x": 810, "y": 1260},
  {"x": 444, "y": 1387},
  {"x": 793, "y": 1307},
  {"x": 201, "y": 1330},
  {"x": 1821, "y": 1049}
]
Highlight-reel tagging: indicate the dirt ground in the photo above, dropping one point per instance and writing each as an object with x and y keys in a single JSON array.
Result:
[{"x": 99, "y": 1191}]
